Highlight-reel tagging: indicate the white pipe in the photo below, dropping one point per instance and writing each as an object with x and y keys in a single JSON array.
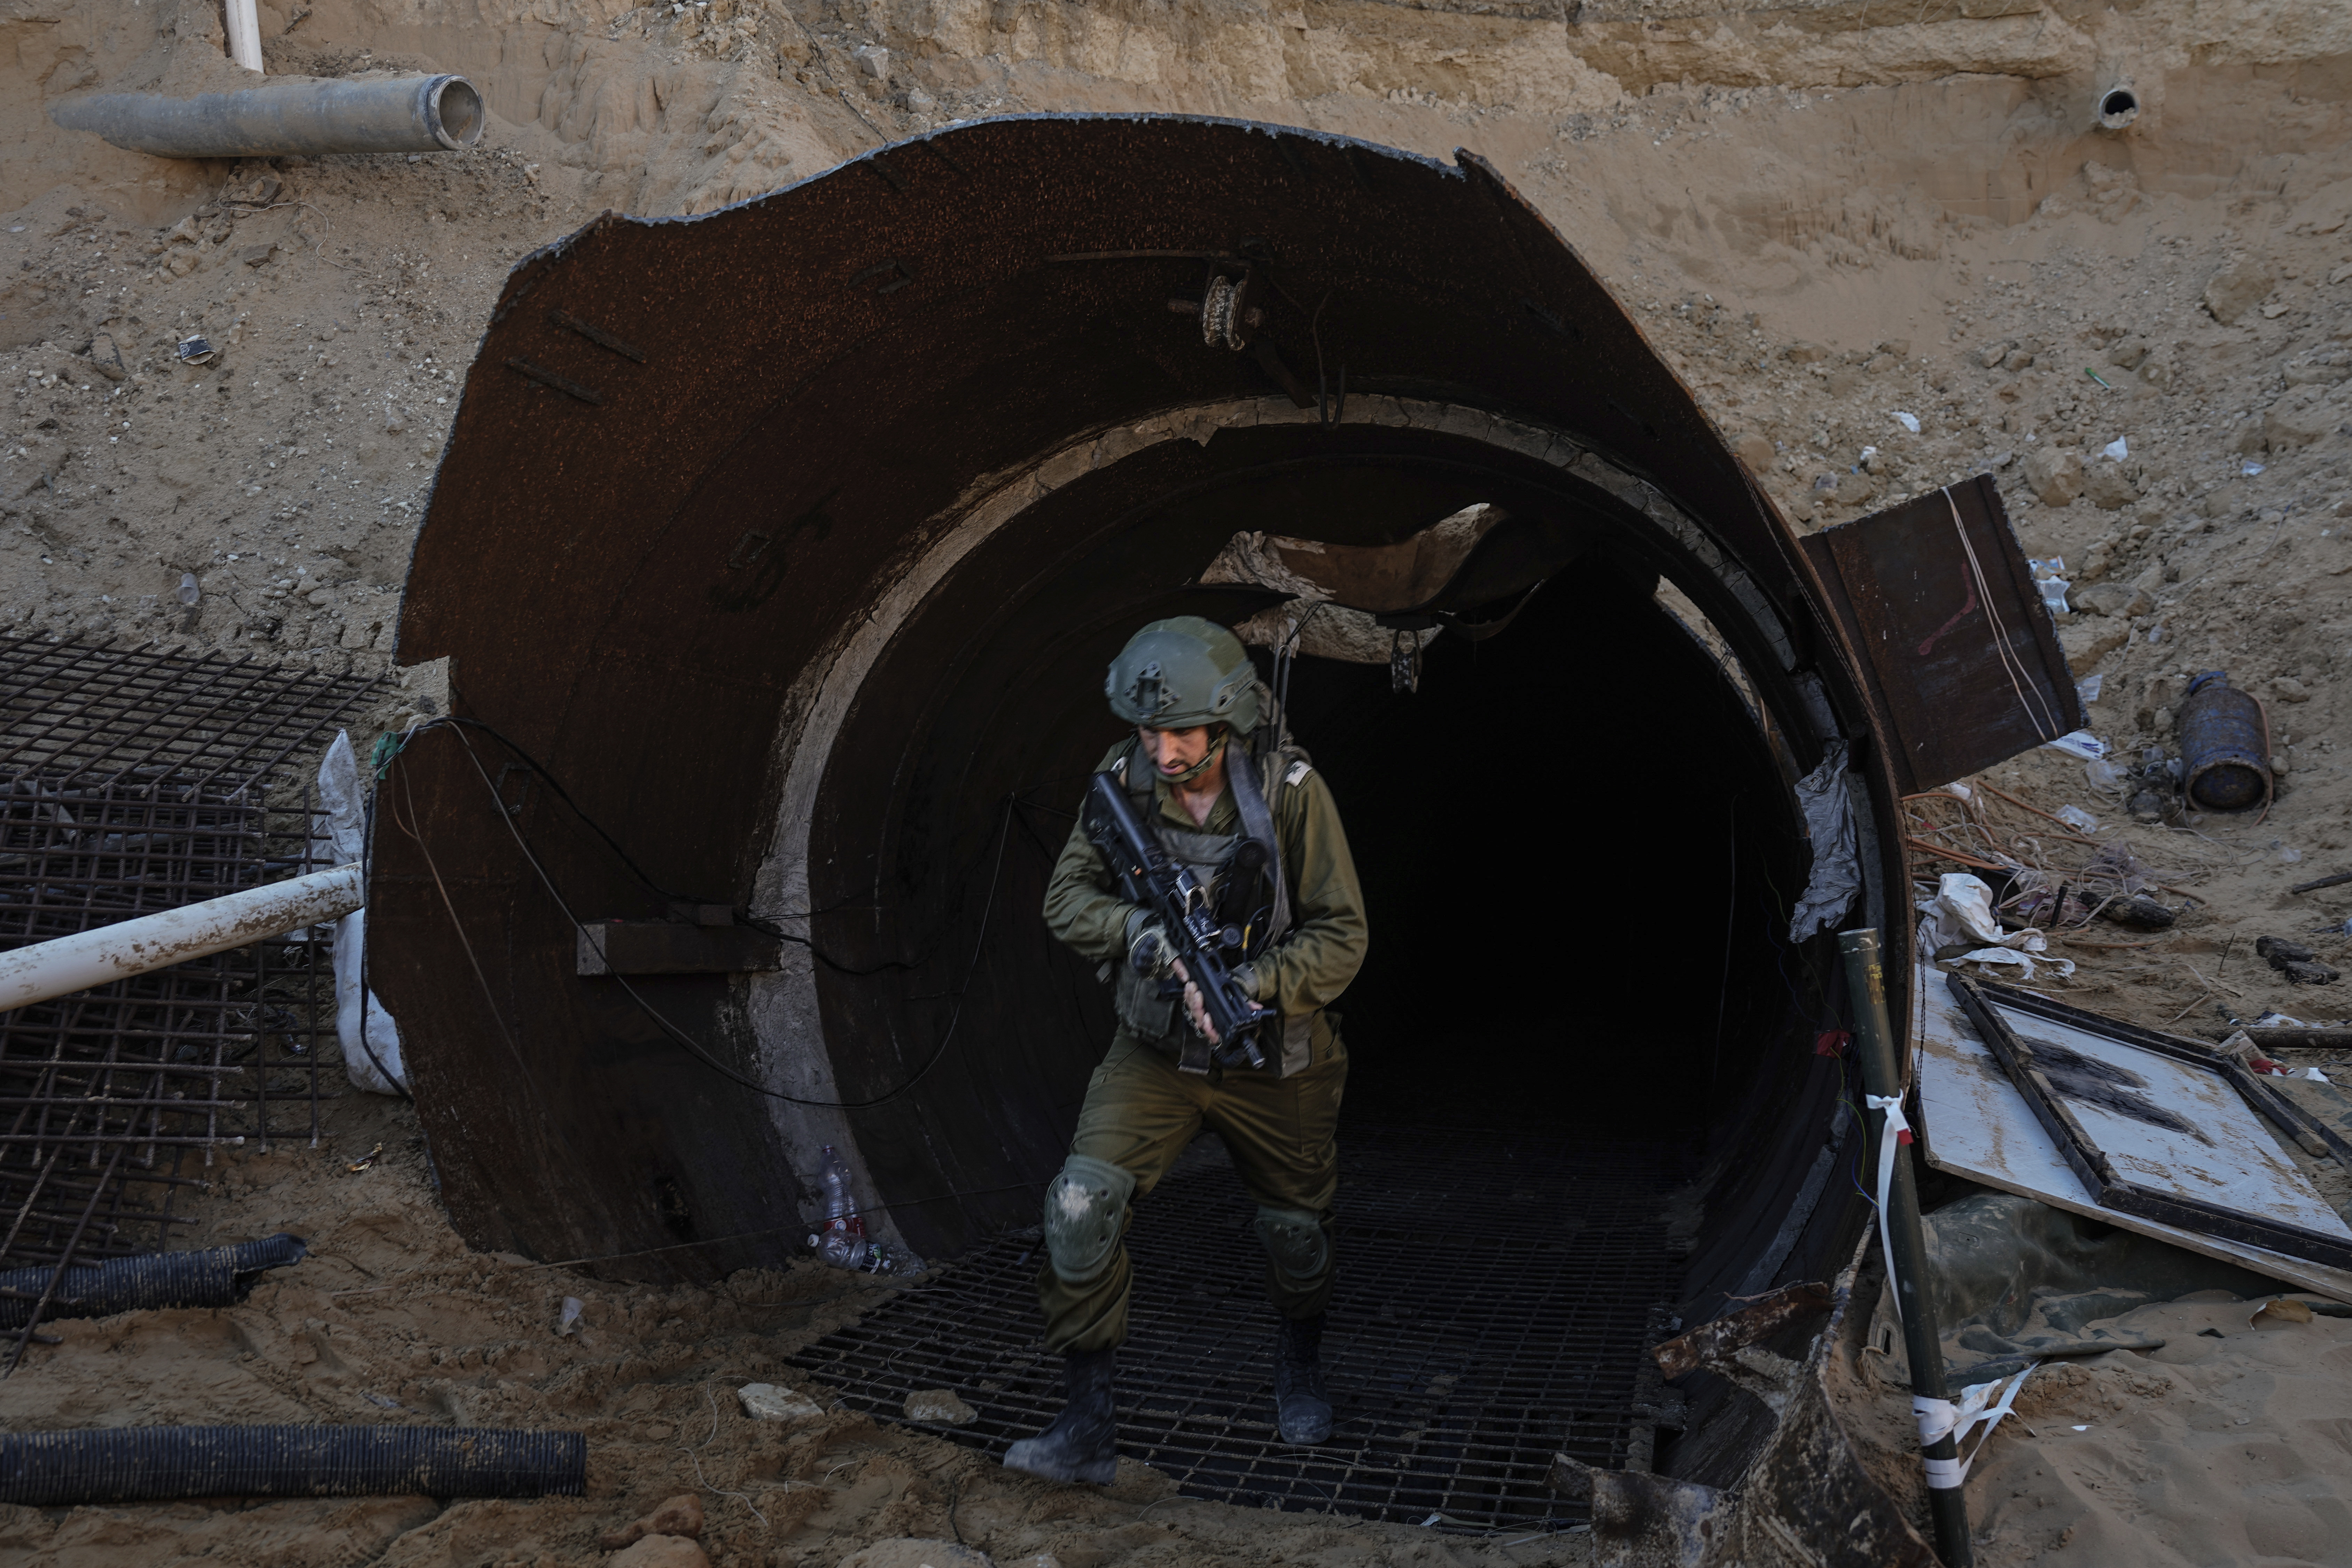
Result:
[
  {"x": 66, "y": 965},
  {"x": 245, "y": 34}
]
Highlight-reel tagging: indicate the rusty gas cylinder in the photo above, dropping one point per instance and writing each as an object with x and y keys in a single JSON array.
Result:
[{"x": 2221, "y": 745}]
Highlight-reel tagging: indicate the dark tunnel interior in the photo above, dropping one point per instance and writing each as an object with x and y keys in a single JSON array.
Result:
[
  {"x": 1577, "y": 846},
  {"x": 1553, "y": 833}
]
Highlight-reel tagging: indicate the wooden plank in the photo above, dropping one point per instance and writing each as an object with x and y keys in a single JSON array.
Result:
[{"x": 1974, "y": 1122}]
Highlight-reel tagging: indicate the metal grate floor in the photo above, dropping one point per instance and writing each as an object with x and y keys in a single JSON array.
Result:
[{"x": 1497, "y": 1295}]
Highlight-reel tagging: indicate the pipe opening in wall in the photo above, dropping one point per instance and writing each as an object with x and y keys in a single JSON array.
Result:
[
  {"x": 2118, "y": 107},
  {"x": 456, "y": 112}
]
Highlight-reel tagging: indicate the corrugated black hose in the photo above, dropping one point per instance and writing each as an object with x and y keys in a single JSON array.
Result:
[
  {"x": 145, "y": 1464},
  {"x": 216, "y": 1277}
]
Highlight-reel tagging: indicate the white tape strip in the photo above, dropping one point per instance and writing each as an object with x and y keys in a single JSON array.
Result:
[
  {"x": 1890, "y": 1133},
  {"x": 1938, "y": 1418},
  {"x": 1943, "y": 1475}
]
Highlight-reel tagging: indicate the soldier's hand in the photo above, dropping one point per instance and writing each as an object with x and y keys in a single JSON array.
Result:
[
  {"x": 1194, "y": 1008},
  {"x": 1152, "y": 954}
]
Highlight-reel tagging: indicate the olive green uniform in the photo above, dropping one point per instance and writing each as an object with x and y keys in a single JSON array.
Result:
[{"x": 1279, "y": 1123}]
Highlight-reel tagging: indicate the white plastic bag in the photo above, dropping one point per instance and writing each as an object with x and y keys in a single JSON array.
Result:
[
  {"x": 1960, "y": 910},
  {"x": 361, "y": 1024}
]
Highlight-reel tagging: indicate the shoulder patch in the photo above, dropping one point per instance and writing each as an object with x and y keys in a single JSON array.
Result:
[
  {"x": 1297, "y": 771},
  {"x": 1118, "y": 769}
]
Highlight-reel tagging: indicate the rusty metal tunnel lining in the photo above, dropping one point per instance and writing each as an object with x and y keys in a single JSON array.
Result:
[{"x": 683, "y": 599}]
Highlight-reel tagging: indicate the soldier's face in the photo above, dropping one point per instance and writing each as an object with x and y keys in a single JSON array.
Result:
[{"x": 1173, "y": 750}]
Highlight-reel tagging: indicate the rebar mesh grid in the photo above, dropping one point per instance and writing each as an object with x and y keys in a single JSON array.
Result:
[
  {"x": 1496, "y": 1297},
  {"x": 129, "y": 783},
  {"x": 209, "y": 721}
]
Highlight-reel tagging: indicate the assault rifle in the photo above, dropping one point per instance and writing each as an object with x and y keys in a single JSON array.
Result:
[{"x": 1208, "y": 948}]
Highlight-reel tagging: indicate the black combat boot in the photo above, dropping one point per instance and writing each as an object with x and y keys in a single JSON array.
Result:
[
  {"x": 1302, "y": 1407},
  {"x": 1082, "y": 1445}
]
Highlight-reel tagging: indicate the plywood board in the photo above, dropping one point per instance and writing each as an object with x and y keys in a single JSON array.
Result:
[{"x": 1975, "y": 1123}]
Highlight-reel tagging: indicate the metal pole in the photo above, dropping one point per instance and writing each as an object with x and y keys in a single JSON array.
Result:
[{"x": 1881, "y": 1078}]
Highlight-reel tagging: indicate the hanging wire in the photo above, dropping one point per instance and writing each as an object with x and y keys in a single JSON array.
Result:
[{"x": 692, "y": 1047}]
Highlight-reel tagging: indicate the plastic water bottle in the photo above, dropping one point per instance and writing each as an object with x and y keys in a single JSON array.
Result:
[{"x": 843, "y": 1242}]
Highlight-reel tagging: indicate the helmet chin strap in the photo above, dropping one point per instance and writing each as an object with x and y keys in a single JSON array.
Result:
[{"x": 1209, "y": 760}]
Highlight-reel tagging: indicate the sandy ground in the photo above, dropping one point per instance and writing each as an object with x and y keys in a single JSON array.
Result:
[
  {"x": 1824, "y": 216},
  {"x": 390, "y": 1307}
]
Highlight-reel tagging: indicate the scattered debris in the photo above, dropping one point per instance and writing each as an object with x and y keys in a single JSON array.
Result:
[
  {"x": 2296, "y": 962},
  {"x": 1727, "y": 1335},
  {"x": 680, "y": 1515},
  {"x": 2281, "y": 1310},
  {"x": 2224, "y": 746},
  {"x": 365, "y": 1160},
  {"x": 2158, "y": 1127},
  {"x": 767, "y": 1402},
  {"x": 195, "y": 350},
  {"x": 660, "y": 1551},
  {"x": 908, "y": 1552},
  {"x": 939, "y": 1407}
]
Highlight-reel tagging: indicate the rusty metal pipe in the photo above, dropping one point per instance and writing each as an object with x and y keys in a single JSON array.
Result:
[
  {"x": 353, "y": 114},
  {"x": 69, "y": 963}
]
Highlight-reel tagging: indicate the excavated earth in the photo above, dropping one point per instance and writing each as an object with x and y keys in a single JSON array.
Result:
[{"x": 1833, "y": 219}]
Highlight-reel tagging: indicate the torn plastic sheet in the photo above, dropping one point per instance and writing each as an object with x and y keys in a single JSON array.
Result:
[
  {"x": 1960, "y": 914},
  {"x": 1318, "y": 575},
  {"x": 1837, "y": 868},
  {"x": 2010, "y": 956},
  {"x": 339, "y": 792},
  {"x": 1329, "y": 631},
  {"x": 2079, "y": 743}
]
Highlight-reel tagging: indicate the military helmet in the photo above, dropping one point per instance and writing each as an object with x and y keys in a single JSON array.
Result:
[{"x": 1178, "y": 673}]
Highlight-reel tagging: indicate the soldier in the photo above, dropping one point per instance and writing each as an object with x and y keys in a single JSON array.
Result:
[{"x": 1210, "y": 781}]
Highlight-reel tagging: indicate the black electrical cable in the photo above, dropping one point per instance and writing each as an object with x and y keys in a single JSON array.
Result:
[
  {"x": 757, "y": 922},
  {"x": 693, "y": 1047},
  {"x": 548, "y": 1127}
]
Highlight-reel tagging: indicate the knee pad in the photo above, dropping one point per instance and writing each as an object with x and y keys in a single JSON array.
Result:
[
  {"x": 1297, "y": 1242},
  {"x": 1086, "y": 1211}
]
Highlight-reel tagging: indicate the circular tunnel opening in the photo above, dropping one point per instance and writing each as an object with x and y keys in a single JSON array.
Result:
[
  {"x": 1577, "y": 846},
  {"x": 1575, "y": 838},
  {"x": 823, "y": 615}
]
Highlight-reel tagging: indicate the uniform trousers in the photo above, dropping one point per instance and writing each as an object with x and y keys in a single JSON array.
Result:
[{"x": 1139, "y": 1113}]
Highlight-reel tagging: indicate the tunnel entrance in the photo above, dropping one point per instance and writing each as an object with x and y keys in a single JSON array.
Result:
[
  {"x": 791, "y": 542},
  {"x": 1576, "y": 838},
  {"x": 1576, "y": 841}
]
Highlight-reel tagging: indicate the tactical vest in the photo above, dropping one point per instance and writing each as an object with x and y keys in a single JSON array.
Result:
[{"x": 1256, "y": 785}]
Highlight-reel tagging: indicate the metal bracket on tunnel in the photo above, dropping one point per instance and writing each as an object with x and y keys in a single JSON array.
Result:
[
  {"x": 673, "y": 947},
  {"x": 562, "y": 383},
  {"x": 596, "y": 334},
  {"x": 873, "y": 275}
]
